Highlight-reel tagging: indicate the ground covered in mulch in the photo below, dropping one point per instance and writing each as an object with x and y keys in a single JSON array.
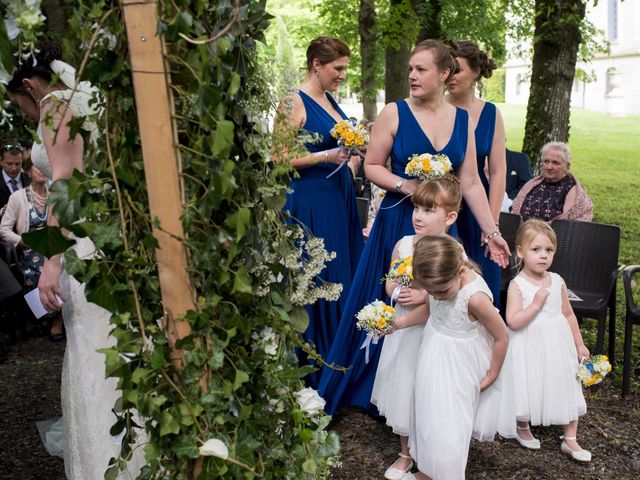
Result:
[{"x": 30, "y": 389}]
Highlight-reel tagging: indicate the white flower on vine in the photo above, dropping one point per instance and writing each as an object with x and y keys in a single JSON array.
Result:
[
  {"x": 310, "y": 402},
  {"x": 267, "y": 340},
  {"x": 214, "y": 448}
]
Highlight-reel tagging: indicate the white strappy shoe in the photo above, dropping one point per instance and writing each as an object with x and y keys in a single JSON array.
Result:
[
  {"x": 581, "y": 455},
  {"x": 393, "y": 473},
  {"x": 532, "y": 444}
]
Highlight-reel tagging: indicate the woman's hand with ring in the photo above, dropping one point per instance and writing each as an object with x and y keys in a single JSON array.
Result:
[{"x": 499, "y": 251}]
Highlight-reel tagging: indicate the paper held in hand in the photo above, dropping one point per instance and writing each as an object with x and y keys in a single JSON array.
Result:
[
  {"x": 33, "y": 300},
  {"x": 573, "y": 297}
]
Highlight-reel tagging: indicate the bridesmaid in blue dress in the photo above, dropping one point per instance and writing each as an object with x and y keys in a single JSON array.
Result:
[
  {"x": 422, "y": 123},
  {"x": 473, "y": 64},
  {"x": 325, "y": 206}
]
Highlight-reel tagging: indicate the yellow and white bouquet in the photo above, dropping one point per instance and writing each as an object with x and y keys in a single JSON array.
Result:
[
  {"x": 592, "y": 370},
  {"x": 427, "y": 166},
  {"x": 401, "y": 271},
  {"x": 351, "y": 134},
  {"x": 376, "y": 318}
]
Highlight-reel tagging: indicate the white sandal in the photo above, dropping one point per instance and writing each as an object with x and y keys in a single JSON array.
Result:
[
  {"x": 532, "y": 444},
  {"x": 393, "y": 473},
  {"x": 581, "y": 455}
]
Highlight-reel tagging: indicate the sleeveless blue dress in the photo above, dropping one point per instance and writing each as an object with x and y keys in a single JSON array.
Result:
[
  {"x": 468, "y": 228},
  {"x": 354, "y": 386},
  {"x": 327, "y": 208}
]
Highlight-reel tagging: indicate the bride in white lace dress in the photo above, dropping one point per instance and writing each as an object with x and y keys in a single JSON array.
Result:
[{"x": 87, "y": 397}]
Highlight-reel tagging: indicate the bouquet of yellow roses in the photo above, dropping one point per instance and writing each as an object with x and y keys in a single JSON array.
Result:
[
  {"x": 592, "y": 370},
  {"x": 427, "y": 166},
  {"x": 351, "y": 134},
  {"x": 401, "y": 271},
  {"x": 376, "y": 318}
]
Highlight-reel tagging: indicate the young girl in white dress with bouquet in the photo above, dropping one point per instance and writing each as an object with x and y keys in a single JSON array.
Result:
[
  {"x": 436, "y": 204},
  {"x": 457, "y": 392},
  {"x": 545, "y": 344}
]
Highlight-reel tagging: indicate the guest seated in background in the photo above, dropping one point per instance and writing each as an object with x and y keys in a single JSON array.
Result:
[
  {"x": 556, "y": 194},
  {"x": 11, "y": 158},
  {"x": 518, "y": 172},
  {"x": 27, "y": 211}
]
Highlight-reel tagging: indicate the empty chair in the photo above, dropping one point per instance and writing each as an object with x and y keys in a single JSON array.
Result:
[
  {"x": 509, "y": 224},
  {"x": 632, "y": 318},
  {"x": 587, "y": 259}
]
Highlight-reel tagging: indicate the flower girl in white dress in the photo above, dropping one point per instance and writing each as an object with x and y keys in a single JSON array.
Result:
[
  {"x": 546, "y": 345},
  {"x": 436, "y": 204},
  {"x": 457, "y": 391}
]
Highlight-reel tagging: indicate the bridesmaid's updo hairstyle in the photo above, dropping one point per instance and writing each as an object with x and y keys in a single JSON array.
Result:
[
  {"x": 437, "y": 259},
  {"x": 326, "y": 49},
  {"x": 442, "y": 55},
  {"x": 441, "y": 192},
  {"x": 527, "y": 232},
  {"x": 476, "y": 58}
]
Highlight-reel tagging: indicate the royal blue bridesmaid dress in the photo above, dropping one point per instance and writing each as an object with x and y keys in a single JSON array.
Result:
[
  {"x": 393, "y": 222},
  {"x": 468, "y": 229},
  {"x": 327, "y": 208}
]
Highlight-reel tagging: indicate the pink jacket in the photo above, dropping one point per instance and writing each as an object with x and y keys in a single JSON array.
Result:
[{"x": 581, "y": 211}]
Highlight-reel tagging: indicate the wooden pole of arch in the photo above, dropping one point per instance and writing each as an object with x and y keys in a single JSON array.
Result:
[{"x": 154, "y": 104}]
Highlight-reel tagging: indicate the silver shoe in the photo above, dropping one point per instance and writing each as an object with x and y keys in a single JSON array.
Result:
[
  {"x": 393, "y": 473},
  {"x": 532, "y": 444},
  {"x": 581, "y": 455}
]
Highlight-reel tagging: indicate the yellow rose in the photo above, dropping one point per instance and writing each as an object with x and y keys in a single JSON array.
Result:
[
  {"x": 389, "y": 309},
  {"x": 359, "y": 141},
  {"x": 401, "y": 269},
  {"x": 349, "y": 136},
  {"x": 382, "y": 323},
  {"x": 426, "y": 165},
  {"x": 408, "y": 260}
]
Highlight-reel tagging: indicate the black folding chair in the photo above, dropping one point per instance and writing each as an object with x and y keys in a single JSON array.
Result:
[
  {"x": 509, "y": 224},
  {"x": 363, "y": 210},
  {"x": 632, "y": 318},
  {"x": 587, "y": 260}
]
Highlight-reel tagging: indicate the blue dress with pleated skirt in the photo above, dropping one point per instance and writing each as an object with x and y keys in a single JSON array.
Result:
[
  {"x": 327, "y": 208},
  {"x": 392, "y": 222},
  {"x": 468, "y": 229}
]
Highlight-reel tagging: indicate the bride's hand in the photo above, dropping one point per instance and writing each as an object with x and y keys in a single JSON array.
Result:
[{"x": 49, "y": 284}]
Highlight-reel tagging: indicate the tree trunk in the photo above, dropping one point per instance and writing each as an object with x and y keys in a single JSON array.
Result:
[
  {"x": 396, "y": 85},
  {"x": 56, "y": 18},
  {"x": 428, "y": 12},
  {"x": 368, "y": 58},
  {"x": 557, "y": 39}
]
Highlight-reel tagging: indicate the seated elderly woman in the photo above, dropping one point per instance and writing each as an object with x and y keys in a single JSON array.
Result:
[{"x": 556, "y": 194}]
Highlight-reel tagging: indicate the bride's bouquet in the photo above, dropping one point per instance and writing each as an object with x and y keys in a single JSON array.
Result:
[
  {"x": 592, "y": 370},
  {"x": 376, "y": 318},
  {"x": 351, "y": 134},
  {"x": 401, "y": 271},
  {"x": 427, "y": 166}
]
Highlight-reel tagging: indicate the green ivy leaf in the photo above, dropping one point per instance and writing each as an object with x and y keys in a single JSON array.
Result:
[
  {"x": 168, "y": 424},
  {"x": 47, "y": 241},
  {"x": 6, "y": 56},
  {"x": 241, "y": 377},
  {"x": 234, "y": 85},
  {"x": 299, "y": 319},
  {"x": 240, "y": 221},
  {"x": 186, "y": 447},
  {"x": 223, "y": 136},
  {"x": 241, "y": 281}
]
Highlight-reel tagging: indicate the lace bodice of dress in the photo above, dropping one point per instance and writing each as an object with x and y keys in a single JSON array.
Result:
[
  {"x": 553, "y": 304},
  {"x": 82, "y": 105},
  {"x": 452, "y": 316}
]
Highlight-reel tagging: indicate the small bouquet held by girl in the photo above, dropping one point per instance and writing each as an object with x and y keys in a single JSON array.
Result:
[
  {"x": 592, "y": 370},
  {"x": 377, "y": 320},
  {"x": 400, "y": 271},
  {"x": 427, "y": 166}
]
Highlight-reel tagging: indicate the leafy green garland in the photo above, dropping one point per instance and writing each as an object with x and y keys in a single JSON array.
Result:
[{"x": 251, "y": 270}]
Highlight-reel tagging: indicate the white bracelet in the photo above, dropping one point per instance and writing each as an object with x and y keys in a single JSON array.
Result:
[{"x": 495, "y": 233}]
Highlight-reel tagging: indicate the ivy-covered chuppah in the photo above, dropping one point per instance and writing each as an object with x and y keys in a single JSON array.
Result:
[{"x": 233, "y": 406}]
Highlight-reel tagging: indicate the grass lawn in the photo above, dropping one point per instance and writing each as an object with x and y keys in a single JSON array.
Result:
[{"x": 606, "y": 161}]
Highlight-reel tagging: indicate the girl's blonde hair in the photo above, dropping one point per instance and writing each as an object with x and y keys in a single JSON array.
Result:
[
  {"x": 437, "y": 259},
  {"x": 439, "y": 192},
  {"x": 532, "y": 227}
]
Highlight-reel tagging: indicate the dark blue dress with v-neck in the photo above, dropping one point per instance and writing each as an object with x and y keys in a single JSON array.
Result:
[
  {"x": 354, "y": 386},
  {"x": 327, "y": 208},
  {"x": 468, "y": 229}
]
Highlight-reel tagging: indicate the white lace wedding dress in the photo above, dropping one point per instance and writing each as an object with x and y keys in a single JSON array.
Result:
[{"x": 87, "y": 397}]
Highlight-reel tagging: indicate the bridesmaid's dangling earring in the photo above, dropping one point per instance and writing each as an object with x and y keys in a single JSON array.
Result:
[{"x": 317, "y": 73}]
